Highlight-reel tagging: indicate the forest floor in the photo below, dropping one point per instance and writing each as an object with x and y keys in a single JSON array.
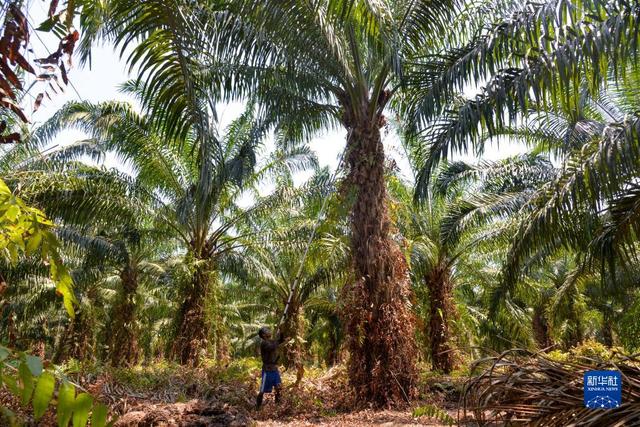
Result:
[
  {"x": 362, "y": 418},
  {"x": 227, "y": 397},
  {"x": 169, "y": 395}
]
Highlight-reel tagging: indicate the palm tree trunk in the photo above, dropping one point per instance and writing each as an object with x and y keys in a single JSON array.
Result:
[
  {"x": 332, "y": 357},
  {"x": 541, "y": 329},
  {"x": 575, "y": 334},
  {"x": 219, "y": 342},
  {"x": 378, "y": 319},
  {"x": 192, "y": 329},
  {"x": 293, "y": 329},
  {"x": 607, "y": 330},
  {"x": 76, "y": 341},
  {"x": 124, "y": 347},
  {"x": 441, "y": 311}
]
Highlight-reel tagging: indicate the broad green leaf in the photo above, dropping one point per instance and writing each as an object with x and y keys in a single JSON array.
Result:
[
  {"x": 81, "y": 409},
  {"x": 4, "y": 353},
  {"x": 35, "y": 365},
  {"x": 66, "y": 399},
  {"x": 4, "y": 190},
  {"x": 12, "y": 384},
  {"x": 64, "y": 287},
  {"x": 53, "y": 268},
  {"x": 51, "y": 239},
  {"x": 43, "y": 394},
  {"x": 26, "y": 378},
  {"x": 12, "y": 212},
  {"x": 99, "y": 415},
  {"x": 68, "y": 305},
  {"x": 33, "y": 243}
]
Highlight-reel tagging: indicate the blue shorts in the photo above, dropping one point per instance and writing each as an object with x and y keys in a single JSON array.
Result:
[{"x": 270, "y": 379}]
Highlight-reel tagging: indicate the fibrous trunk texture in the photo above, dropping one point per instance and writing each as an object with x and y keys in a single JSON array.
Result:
[
  {"x": 219, "y": 342},
  {"x": 574, "y": 334},
  {"x": 77, "y": 338},
  {"x": 607, "y": 331},
  {"x": 335, "y": 339},
  {"x": 192, "y": 331},
  {"x": 124, "y": 347},
  {"x": 541, "y": 329},
  {"x": 441, "y": 312},
  {"x": 379, "y": 324},
  {"x": 293, "y": 330}
]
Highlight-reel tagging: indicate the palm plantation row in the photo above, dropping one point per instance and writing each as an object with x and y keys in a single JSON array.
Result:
[{"x": 202, "y": 242}]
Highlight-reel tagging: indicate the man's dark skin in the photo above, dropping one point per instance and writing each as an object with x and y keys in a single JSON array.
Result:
[{"x": 269, "y": 355}]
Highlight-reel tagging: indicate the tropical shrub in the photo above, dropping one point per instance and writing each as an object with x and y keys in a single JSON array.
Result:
[{"x": 33, "y": 384}]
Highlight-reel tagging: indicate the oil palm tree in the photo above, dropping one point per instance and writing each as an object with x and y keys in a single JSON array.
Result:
[
  {"x": 342, "y": 66},
  {"x": 591, "y": 49},
  {"x": 468, "y": 206},
  {"x": 277, "y": 274},
  {"x": 577, "y": 208},
  {"x": 433, "y": 265},
  {"x": 126, "y": 261},
  {"x": 195, "y": 192},
  {"x": 533, "y": 56},
  {"x": 294, "y": 264},
  {"x": 588, "y": 204},
  {"x": 101, "y": 222}
]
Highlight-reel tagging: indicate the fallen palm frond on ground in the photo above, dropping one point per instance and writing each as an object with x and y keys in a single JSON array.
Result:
[{"x": 520, "y": 387}]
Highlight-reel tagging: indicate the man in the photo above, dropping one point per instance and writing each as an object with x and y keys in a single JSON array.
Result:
[{"x": 270, "y": 375}]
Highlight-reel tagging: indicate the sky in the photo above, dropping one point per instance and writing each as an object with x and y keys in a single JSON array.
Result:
[{"x": 101, "y": 81}]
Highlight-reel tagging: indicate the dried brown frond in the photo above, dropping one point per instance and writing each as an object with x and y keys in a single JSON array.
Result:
[{"x": 523, "y": 388}]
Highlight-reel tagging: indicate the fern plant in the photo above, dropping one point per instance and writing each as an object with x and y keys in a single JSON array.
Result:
[{"x": 432, "y": 411}]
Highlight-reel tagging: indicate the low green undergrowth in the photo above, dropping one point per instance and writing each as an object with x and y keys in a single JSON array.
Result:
[
  {"x": 432, "y": 411},
  {"x": 38, "y": 388},
  {"x": 589, "y": 349}
]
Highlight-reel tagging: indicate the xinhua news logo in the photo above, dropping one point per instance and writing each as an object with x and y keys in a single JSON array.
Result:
[{"x": 602, "y": 389}]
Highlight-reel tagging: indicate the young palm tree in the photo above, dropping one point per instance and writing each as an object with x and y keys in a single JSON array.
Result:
[
  {"x": 433, "y": 264},
  {"x": 294, "y": 264},
  {"x": 326, "y": 330},
  {"x": 125, "y": 257},
  {"x": 123, "y": 343}
]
